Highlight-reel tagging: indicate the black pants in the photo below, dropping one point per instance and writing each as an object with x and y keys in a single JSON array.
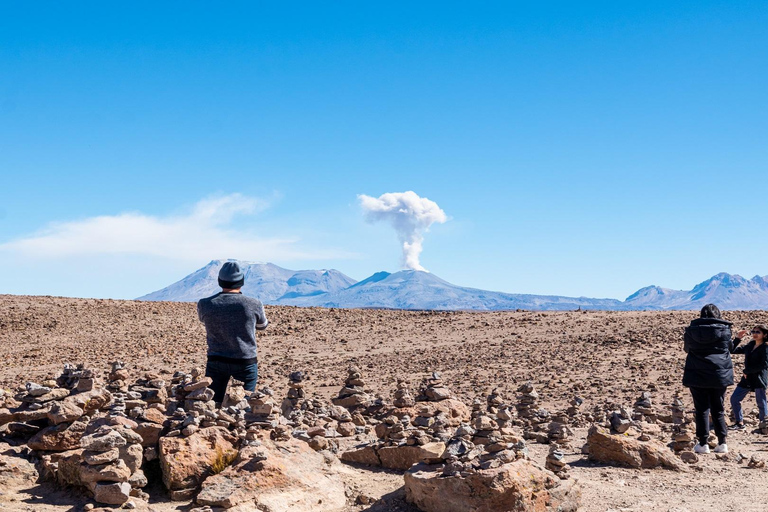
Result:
[
  {"x": 220, "y": 372},
  {"x": 707, "y": 401}
]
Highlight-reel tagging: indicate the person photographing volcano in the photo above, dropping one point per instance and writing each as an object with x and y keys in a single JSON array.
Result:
[{"x": 231, "y": 320}]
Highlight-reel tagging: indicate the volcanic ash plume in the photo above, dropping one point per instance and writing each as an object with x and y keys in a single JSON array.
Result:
[{"x": 411, "y": 217}]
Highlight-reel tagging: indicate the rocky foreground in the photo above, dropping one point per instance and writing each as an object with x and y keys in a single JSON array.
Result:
[{"x": 358, "y": 410}]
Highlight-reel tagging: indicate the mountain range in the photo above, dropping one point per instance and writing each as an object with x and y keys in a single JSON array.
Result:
[{"x": 414, "y": 289}]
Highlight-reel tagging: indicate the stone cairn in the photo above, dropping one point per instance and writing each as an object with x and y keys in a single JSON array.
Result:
[
  {"x": 354, "y": 394},
  {"x": 533, "y": 418},
  {"x": 111, "y": 467},
  {"x": 574, "y": 412},
  {"x": 620, "y": 420},
  {"x": 433, "y": 389},
  {"x": 643, "y": 408},
  {"x": 402, "y": 396},
  {"x": 264, "y": 412},
  {"x": 118, "y": 378},
  {"x": 505, "y": 414},
  {"x": 481, "y": 445},
  {"x": 683, "y": 431},
  {"x": 81, "y": 434},
  {"x": 291, "y": 406}
]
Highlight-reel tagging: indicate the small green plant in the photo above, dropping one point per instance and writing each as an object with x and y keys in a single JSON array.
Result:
[{"x": 222, "y": 460}]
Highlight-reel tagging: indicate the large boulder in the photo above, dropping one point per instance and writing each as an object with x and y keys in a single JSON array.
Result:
[
  {"x": 621, "y": 450},
  {"x": 186, "y": 461},
  {"x": 394, "y": 457},
  {"x": 520, "y": 486},
  {"x": 403, "y": 457},
  {"x": 276, "y": 477}
]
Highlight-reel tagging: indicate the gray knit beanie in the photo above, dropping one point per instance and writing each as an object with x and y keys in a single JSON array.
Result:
[{"x": 231, "y": 275}]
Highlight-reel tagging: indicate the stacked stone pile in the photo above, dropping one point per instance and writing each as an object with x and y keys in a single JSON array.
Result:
[
  {"x": 433, "y": 389},
  {"x": 292, "y": 405},
  {"x": 555, "y": 462},
  {"x": 620, "y": 420},
  {"x": 504, "y": 413},
  {"x": 683, "y": 429},
  {"x": 264, "y": 412},
  {"x": 111, "y": 465},
  {"x": 575, "y": 413},
  {"x": 354, "y": 394},
  {"x": 402, "y": 396},
  {"x": 643, "y": 408},
  {"x": 532, "y": 418},
  {"x": 558, "y": 431},
  {"x": 118, "y": 377}
]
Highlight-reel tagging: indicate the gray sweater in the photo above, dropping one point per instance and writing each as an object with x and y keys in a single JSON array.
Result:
[{"x": 231, "y": 321}]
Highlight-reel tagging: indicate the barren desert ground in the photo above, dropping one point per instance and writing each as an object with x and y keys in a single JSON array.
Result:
[{"x": 607, "y": 358}]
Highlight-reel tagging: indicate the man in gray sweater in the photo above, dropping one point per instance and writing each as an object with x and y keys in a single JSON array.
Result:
[{"x": 231, "y": 320}]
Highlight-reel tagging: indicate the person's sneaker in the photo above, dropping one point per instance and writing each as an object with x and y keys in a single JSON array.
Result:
[
  {"x": 701, "y": 448},
  {"x": 737, "y": 426},
  {"x": 721, "y": 448}
]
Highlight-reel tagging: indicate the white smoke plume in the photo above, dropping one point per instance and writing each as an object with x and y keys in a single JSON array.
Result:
[{"x": 410, "y": 215}]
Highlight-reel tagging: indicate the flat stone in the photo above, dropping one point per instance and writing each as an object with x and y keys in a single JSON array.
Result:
[
  {"x": 114, "y": 472},
  {"x": 64, "y": 412},
  {"x": 200, "y": 384},
  {"x": 115, "y": 493},
  {"x": 54, "y": 394},
  {"x": 98, "y": 458},
  {"x": 102, "y": 440}
]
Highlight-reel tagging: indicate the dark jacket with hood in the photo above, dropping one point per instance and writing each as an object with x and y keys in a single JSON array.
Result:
[
  {"x": 708, "y": 345},
  {"x": 755, "y": 365}
]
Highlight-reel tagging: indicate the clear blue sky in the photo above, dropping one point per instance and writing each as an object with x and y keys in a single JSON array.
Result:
[{"x": 579, "y": 148}]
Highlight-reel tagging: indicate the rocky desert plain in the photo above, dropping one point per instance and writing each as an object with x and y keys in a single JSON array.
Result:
[{"x": 103, "y": 406}]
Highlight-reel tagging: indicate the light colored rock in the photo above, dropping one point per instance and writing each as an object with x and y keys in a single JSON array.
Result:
[
  {"x": 403, "y": 457},
  {"x": 98, "y": 458},
  {"x": 133, "y": 456},
  {"x": 278, "y": 477},
  {"x": 186, "y": 461},
  {"x": 102, "y": 440},
  {"x": 115, "y": 493},
  {"x": 625, "y": 451},
  {"x": 64, "y": 412},
  {"x": 200, "y": 384},
  {"x": 520, "y": 486},
  {"x": 114, "y": 472},
  {"x": 93, "y": 400}
]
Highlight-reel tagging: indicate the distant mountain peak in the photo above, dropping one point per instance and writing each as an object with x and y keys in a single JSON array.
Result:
[{"x": 416, "y": 289}]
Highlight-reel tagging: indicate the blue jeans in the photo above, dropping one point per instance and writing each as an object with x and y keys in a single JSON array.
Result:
[
  {"x": 221, "y": 372},
  {"x": 738, "y": 395}
]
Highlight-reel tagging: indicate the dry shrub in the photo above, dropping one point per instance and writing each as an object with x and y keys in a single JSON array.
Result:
[{"x": 222, "y": 460}]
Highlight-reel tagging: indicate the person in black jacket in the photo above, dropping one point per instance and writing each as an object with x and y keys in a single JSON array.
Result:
[
  {"x": 708, "y": 373},
  {"x": 755, "y": 376}
]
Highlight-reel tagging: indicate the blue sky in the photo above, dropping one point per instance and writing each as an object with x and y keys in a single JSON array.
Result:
[{"x": 584, "y": 148}]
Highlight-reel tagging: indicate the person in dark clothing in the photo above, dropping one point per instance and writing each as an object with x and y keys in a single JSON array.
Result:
[
  {"x": 755, "y": 377},
  {"x": 231, "y": 320},
  {"x": 708, "y": 373}
]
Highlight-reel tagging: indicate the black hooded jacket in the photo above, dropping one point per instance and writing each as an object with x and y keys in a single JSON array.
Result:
[
  {"x": 755, "y": 365},
  {"x": 708, "y": 345}
]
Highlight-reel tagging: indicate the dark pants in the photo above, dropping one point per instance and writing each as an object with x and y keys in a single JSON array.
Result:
[
  {"x": 709, "y": 401},
  {"x": 739, "y": 394},
  {"x": 220, "y": 372}
]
